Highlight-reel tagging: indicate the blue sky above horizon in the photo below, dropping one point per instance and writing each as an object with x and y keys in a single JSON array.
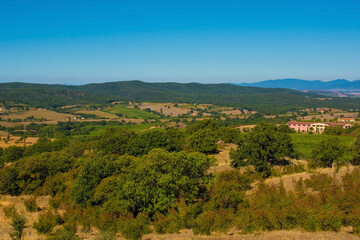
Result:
[{"x": 78, "y": 42}]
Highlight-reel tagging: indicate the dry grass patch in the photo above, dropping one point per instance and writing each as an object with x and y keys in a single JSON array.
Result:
[
  {"x": 13, "y": 139},
  {"x": 31, "y": 217},
  {"x": 99, "y": 114},
  {"x": 47, "y": 114}
]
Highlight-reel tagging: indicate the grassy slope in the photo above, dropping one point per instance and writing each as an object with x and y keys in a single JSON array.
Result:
[{"x": 131, "y": 112}]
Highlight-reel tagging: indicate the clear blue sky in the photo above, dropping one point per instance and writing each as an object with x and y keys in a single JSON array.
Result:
[{"x": 77, "y": 42}]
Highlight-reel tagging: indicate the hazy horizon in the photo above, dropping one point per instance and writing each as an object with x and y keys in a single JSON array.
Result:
[{"x": 99, "y": 82}]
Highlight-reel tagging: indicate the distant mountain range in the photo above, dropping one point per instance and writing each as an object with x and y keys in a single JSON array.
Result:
[{"x": 301, "y": 85}]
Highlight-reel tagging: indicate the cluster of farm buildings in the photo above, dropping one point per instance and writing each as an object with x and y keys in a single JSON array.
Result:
[{"x": 319, "y": 127}]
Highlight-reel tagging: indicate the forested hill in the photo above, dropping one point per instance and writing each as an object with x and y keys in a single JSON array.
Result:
[
  {"x": 48, "y": 96},
  {"x": 268, "y": 100}
]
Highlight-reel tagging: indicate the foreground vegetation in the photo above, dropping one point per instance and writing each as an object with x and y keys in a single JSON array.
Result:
[{"x": 162, "y": 180}]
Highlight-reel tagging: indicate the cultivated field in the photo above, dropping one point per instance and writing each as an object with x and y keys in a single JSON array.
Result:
[{"x": 167, "y": 109}]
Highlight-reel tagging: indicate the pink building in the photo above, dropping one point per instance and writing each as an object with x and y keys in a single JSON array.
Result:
[
  {"x": 316, "y": 127},
  {"x": 300, "y": 126}
]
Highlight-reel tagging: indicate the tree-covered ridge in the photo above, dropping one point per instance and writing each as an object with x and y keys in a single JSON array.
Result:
[
  {"x": 47, "y": 96},
  {"x": 267, "y": 100}
]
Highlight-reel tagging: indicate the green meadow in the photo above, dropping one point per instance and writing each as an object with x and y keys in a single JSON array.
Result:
[
  {"x": 131, "y": 112},
  {"x": 305, "y": 143}
]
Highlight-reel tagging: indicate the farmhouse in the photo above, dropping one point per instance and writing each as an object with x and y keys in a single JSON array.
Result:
[{"x": 317, "y": 127}]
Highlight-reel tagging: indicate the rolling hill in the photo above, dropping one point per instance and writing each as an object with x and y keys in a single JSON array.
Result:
[{"x": 267, "y": 100}]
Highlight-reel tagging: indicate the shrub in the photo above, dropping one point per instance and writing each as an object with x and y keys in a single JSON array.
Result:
[
  {"x": 168, "y": 224},
  {"x": 319, "y": 182},
  {"x": 54, "y": 203},
  {"x": 63, "y": 234},
  {"x": 106, "y": 235},
  {"x": 30, "y": 205},
  {"x": 135, "y": 228},
  {"x": 18, "y": 224},
  {"x": 330, "y": 219},
  {"x": 9, "y": 211},
  {"x": 45, "y": 223},
  {"x": 218, "y": 221}
]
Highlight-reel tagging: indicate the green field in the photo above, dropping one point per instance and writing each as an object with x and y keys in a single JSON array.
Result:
[
  {"x": 131, "y": 112},
  {"x": 305, "y": 143}
]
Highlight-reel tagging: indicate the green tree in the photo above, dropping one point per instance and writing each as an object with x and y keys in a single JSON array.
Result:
[
  {"x": 203, "y": 141},
  {"x": 230, "y": 135},
  {"x": 114, "y": 141},
  {"x": 263, "y": 148},
  {"x": 337, "y": 130},
  {"x": 152, "y": 182},
  {"x": 13, "y": 153},
  {"x": 93, "y": 171},
  {"x": 1, "y": 159},
  {"x": 355, "y": 150},
  {"x": 171, "y": 140},
  {"x": 327, "y": 152},
  {"x": 210, "y": 124}
]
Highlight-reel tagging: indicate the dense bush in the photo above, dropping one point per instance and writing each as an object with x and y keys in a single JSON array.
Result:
[
  {"x": 12, "y": 153},
  {"x": 18, "y": 224},
  {"x": 46, "y": 222},
  {"x": 135, "y": 228},
  {"x": 28, "y": 174},
  {"x": 203, "y": 141},
  {"x": 30, "y": 204},
  {"x": 336, "y": 131}
]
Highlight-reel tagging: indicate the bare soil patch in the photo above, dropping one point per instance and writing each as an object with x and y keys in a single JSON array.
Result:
[
  {"x": 31, "y": 217},
  {"x": 223, "y": 157}
]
